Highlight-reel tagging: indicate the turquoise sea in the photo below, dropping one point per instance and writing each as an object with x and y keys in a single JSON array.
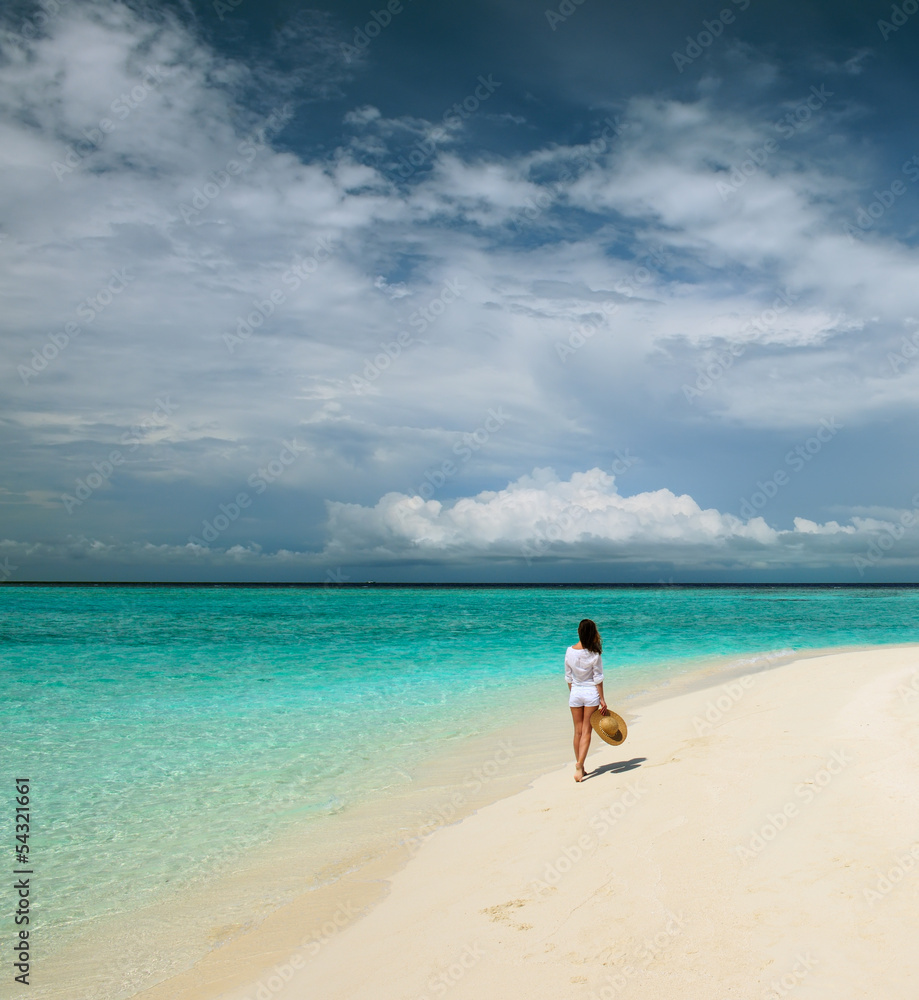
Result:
[{"x": 163, "y": 727}]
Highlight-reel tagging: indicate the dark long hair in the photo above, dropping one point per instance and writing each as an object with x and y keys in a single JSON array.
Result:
[{"x": 589, "y": 636}]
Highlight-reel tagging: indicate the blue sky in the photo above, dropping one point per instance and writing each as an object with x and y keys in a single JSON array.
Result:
[{"x": 459, "y": 291}]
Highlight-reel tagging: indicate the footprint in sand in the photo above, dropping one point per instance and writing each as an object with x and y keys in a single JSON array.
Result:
[{"x": 501, "y": 913}]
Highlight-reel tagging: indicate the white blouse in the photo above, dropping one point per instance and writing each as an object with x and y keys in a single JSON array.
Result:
[{"x": 583, "y": 667}]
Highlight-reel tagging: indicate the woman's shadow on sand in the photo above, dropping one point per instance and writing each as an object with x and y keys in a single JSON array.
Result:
[{"x": 617, "y": 767}]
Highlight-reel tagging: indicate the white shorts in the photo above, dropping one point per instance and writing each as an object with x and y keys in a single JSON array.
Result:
[{"x": 584, "y": 696}]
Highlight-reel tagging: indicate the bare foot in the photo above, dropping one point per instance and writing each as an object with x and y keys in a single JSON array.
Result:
[{"x": 578, "y": 772}]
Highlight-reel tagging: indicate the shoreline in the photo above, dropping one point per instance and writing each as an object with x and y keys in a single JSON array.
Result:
[
  {"x": 362, "y": 879},
  {"x": 766, "y": 848}
]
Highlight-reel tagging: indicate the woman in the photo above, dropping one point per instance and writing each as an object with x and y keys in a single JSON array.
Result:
[{"x": 584, "y": 674}]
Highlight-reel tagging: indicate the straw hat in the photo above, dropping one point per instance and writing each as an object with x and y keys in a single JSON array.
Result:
[{"x": 610, "y": 727}]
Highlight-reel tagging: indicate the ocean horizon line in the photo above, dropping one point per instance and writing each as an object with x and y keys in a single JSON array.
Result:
[{"x": 429, "y": 585}]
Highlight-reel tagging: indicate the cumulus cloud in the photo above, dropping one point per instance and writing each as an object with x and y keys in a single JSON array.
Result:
[
  {"x": 536, "y": 512},
  {"x": 586, "y": 519}
]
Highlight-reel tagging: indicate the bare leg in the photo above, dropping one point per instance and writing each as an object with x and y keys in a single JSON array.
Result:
[
  {"x": 576, "y": 714},
  {"x": 580, "y": 717},
  {"x": 586, "y": 731}
]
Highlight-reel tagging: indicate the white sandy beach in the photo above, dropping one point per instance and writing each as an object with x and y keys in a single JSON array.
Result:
[
  {"x": 751, "y": 839},
  {"x": 771, "y": 850}
]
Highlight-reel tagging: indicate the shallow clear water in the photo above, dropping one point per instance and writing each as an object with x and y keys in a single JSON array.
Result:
[{"x": 165, "y": 728}]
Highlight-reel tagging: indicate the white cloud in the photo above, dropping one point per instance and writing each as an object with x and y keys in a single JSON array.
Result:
[
  {"x": 583, "y": 519},
  {"x": 807, "y": 527},
  {"x": 396, "y": 290},
  {"x": 363, "y": 116}
]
